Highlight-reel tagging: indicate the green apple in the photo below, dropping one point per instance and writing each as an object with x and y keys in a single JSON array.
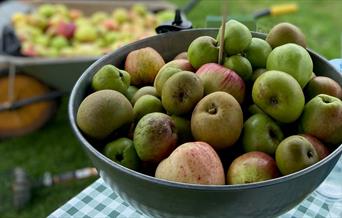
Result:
[
  {"x": 295, "y": 153},
  {"x": 257, "y": 52},
  {"x": 130, "y": 92},
  {"x": 42, "y": 40},
  {"x": 37, "y": 20},
  {"x": 237, "y": 37},
  {"x": 218, "y": 120},
  {"x": 192, "y": 162},
  {"x": 102, "y": 112},
  {"x": 181, "y": 92},
  {"x": 111, "y": 77},
  {"x": 155, "y": 137},
  {"x": 322, "y": 118},
  {"x": 254, "y": 109},
  {"x": 111, "y": 37},
  {"x": 146, "y": 104},
  {"x": 120, "y": 15},
  {"x": 122, "y": 151},
  {"x": 256, "y": 73},
  {"x": 145, "y": 90},
  {"x": 143, "y": 65},
  {"x": 51, "y": 52},
  {"x": 261, "y": 133},
  {"x": 183, "y": 127},
  {"x": 322, "y": 85},
  {"x": 97, "y": 17},
  {"x": 292, "y": 59},
  {"x": 240, "y": 65},
  {"x": 140, "y": 9},
  {"x": 321, "y": 149},
  {"x": 251, "y": 167},
  {"x": 215, "y": 77},
  {"x": 59, "y": 42},
  {"x": 164, "y": 74},
  {"x": 203, "y": 50},
  {"x": 46, "y": 10},
  {"x": 85, "y": 33},
  {"x": 279, "y": 95}
]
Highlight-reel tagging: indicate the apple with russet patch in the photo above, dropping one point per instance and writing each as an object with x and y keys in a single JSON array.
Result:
[
  {"x": 181, "y": 92},
  {"x": 295, "y": 153},
  {"x": 155, "y": 137}
]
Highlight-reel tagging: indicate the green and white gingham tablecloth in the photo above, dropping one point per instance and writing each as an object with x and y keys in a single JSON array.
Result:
[{"x": 99, "y": 201}]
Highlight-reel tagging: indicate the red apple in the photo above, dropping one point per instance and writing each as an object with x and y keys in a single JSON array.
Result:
[
  {"x": 321, "y": 149},
  {"x": 192, "y": 162},
  {"x": 110, "y": 24},
  {"x": 28, "y": 49},
  {"x": 66, "y": 29},
  {"x": 254, "y": 166},
  {"x": 218, "y": 78},
  {"x": 74, "y": 14},
  {"x": 322, "y": 85},
  {"x": 182, "y": 64}
]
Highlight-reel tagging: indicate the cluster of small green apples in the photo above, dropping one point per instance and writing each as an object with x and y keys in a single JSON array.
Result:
[
  {"x": 54, "y": 30},
  {"x": 261, "y": 114}
]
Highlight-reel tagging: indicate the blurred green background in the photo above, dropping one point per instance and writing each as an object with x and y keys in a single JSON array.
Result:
[{"x": 54, "y": 148}]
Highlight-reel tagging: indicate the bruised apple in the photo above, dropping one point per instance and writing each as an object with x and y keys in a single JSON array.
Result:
[{"x": 154, "y": 137}]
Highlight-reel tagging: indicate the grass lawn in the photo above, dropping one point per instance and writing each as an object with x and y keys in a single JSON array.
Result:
[{"x": 54, "y": 148}]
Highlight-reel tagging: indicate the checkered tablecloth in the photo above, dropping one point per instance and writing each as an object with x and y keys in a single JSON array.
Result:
[{"x": 98, "y": 201}]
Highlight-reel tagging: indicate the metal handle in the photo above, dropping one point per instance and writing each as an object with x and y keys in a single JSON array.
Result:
[{"x": 35, "y": 99}]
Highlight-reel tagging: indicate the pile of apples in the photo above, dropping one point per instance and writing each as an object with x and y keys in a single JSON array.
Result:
[
  {"x": 260, "y": 114},
  {"x": 54, "y": 30}
]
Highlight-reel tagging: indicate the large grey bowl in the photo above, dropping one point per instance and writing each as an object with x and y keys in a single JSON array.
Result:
[{"x": 161, "y": 198}]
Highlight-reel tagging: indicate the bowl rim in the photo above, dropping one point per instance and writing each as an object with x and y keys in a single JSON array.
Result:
[{"x": 179, "y": 185}]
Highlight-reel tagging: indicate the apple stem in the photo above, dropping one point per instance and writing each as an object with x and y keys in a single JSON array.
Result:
[
  {"x": 212, "y": 110},
  {"x": 223, "y": 25}
]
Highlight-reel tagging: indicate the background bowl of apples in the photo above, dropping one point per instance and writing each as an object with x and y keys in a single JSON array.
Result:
[
  {"x": 180, "y": 134},
  {"x": 56, "y": 40}
]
